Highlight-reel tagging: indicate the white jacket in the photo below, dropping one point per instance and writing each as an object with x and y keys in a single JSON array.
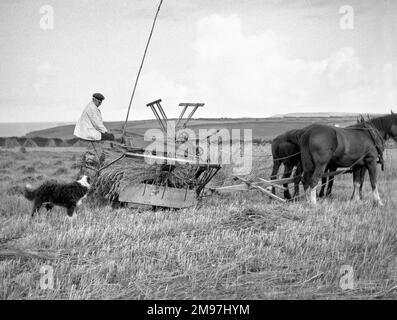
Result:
[{"x": 90, "y": 124}]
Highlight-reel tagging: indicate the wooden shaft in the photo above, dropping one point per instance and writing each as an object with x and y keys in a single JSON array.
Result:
[
  {"x": 261, "y": 189},
  {"x": 269, "y": 194},
  {"x": 190, "y": 115},
  {"x": 189, "y": 104},
  {"x": 153, "y": 102},
  {"x": 159, "y": 119},
  {"x": 181, "y": 116},
  {"x": 269, "y": 182},
  {"x": 161, "y": 111}
]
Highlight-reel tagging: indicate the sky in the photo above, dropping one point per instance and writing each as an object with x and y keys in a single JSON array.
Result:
[{"x": 246, "y": 58}]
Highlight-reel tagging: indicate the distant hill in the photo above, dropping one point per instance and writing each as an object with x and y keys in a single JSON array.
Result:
[
  {"x": 12, "y": 129},
  {"x": 321, "y": 115},
  {"x": 262, "y": 128}
]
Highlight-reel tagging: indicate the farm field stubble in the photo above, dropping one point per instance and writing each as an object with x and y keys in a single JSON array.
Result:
[{"x": 237, "y": 246}]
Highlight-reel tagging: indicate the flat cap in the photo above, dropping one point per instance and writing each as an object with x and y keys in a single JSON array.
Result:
[{"x": 98, "y": 96}]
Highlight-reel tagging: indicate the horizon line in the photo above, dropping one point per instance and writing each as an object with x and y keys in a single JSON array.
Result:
[{"x": 214, "y": 118}]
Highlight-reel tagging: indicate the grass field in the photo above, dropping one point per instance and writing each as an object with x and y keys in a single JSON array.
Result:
[{"x": 237, "y": 246}]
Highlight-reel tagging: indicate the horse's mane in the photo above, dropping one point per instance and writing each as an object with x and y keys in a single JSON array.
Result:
[{"x": 384, "y": 123}]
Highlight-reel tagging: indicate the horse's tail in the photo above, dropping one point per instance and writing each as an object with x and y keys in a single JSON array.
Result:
[
  {"x": 276, "y": 161},
  {"x": 306, "y": 156},
  {"x": 307, "y": 161}
]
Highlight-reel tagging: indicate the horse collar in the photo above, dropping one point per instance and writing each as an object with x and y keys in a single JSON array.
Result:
[{"x": 379, "y": 148}]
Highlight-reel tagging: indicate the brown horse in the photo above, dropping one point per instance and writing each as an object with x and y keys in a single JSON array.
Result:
[
  {"x": 329, "y": 181},
  {"x": 357, "y": 146}
]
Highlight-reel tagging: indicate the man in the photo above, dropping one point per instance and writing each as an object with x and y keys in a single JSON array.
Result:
[{"x": 90, "y": 125}]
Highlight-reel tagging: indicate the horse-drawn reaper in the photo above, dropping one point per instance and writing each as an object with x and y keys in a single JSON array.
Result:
[{"x": 312, "y": 150}]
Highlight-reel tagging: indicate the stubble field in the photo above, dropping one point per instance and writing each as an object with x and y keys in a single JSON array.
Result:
[{"x": 237, "y": 246}]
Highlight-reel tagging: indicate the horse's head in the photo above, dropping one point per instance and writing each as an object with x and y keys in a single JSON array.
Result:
[{"x": 393, "y": 128}]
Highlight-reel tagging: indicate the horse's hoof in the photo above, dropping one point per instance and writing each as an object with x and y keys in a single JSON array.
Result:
[
  {"x": 287, "y": 196},
  {"x": 311, "y": 203}
]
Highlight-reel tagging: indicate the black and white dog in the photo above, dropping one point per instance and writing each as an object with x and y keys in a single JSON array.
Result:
[{"x": 53, "y": 193}]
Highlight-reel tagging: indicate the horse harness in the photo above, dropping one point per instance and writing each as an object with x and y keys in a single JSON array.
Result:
[{"x": 379, "y": 148}]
